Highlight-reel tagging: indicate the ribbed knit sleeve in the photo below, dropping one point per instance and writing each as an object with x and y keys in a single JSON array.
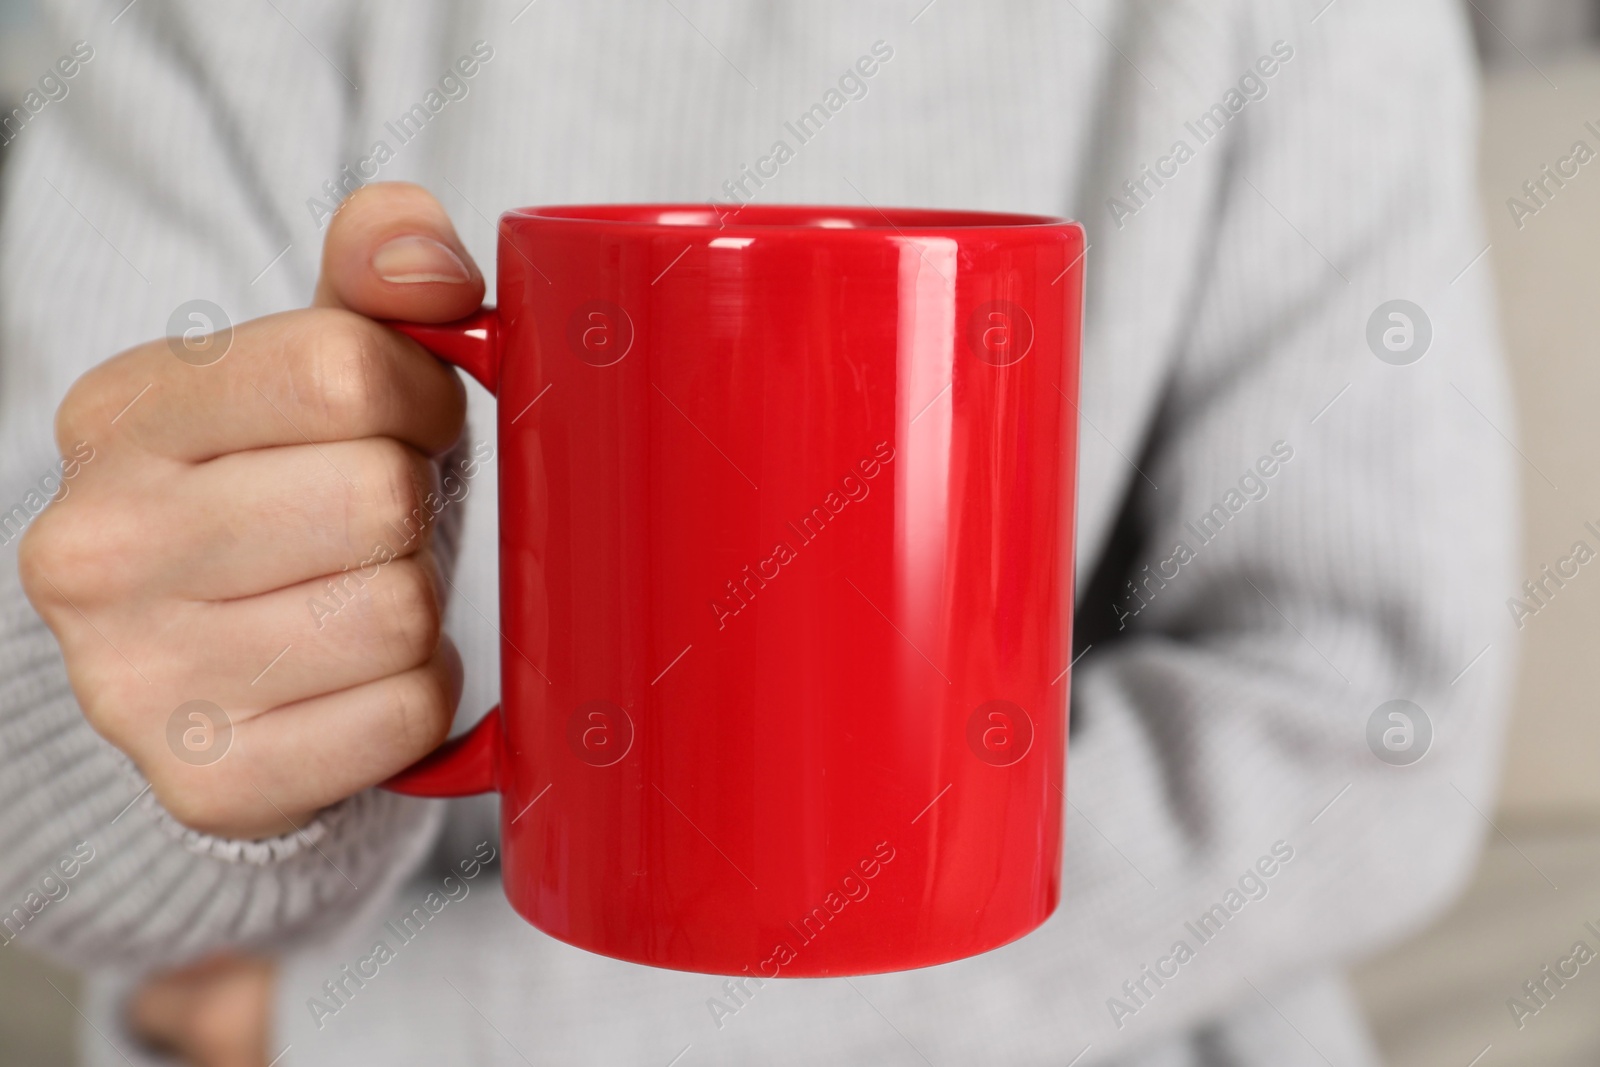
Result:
[
  {"x": 94, "y": 872},
  {"x": 139, "y": 190}
]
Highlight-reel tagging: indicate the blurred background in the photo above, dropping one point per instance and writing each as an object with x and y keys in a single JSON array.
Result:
[{"x": 1440, "y": 998}]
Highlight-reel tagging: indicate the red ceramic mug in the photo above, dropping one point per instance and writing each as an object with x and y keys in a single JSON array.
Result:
[{"x": 785, "y": 580}]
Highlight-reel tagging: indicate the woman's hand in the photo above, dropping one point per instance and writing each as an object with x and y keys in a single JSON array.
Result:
[
  {"x": 217, "y": 1013},
  {"x": 225, "y": 502}
]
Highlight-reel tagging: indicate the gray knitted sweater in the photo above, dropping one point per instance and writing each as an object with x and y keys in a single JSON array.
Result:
[{"x": 1259, "y": 179}]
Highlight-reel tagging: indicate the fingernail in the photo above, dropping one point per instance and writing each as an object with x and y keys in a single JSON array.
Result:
[{"x": 413, "y": 259}]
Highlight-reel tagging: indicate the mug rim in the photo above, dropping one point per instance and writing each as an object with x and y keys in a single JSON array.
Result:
[{"x": 774, "y": 219}]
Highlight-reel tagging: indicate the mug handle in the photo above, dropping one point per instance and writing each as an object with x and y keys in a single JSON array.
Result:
[{"x": 468, "y": 764}]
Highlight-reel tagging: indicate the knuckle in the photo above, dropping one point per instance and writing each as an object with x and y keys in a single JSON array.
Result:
[
  {"x": 84, "y": 406},
  {"x": 36, "y": 559},
  {"x": 423, "y": 710},
  {"x": 415, "y": 616},
  {"x": 393, "y": 485},
  {"x": 69, "y": 552},
  {"x": 76, "y": 412},
  {"x": 346, "y": 369},
  {"x": 114, "y": 711},
  {"x": 97, "y": 396},
  {"x": 204, "y": 810}
]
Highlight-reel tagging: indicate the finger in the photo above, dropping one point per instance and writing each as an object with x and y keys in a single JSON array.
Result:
[
  {"x": 316, "y": 637},
  {"x": 159, "y": 1011},
  {"x": 302, "y": 377},
  {"x": 274, "y": 780},
  {"x": 262, "y": 520},
  {"x": 391, "y": 253},
  {"x": 215, "y": 1013}
]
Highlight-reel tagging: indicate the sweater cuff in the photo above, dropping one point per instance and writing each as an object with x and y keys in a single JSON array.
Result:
[
  {"x": 260, "y": 852},
  {"x": 144, "y": 891}
]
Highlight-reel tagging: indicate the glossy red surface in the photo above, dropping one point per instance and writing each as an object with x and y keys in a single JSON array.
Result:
[{"x": 786, "y": 527}]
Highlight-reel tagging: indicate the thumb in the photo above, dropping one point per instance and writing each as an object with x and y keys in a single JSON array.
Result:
[{"x": 391, "y": 253}]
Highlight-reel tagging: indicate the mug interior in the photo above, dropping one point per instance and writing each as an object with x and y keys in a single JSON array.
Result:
[{"x": 783, "y": 217}]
